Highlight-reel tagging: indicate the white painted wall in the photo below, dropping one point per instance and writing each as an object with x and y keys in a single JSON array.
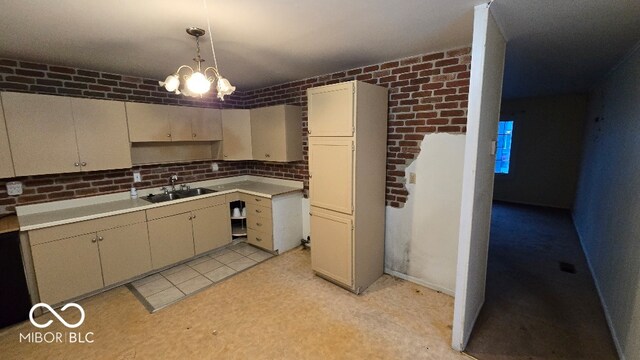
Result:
[
  {"x": 607, "y": 207},
  {"x": 487, "y": 67},
  {"x": 421, "y": 239},
  {"x": 546, "y": 149}
]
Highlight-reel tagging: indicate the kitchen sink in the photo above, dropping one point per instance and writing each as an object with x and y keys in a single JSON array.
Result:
[{"x": 177, "y": 194}]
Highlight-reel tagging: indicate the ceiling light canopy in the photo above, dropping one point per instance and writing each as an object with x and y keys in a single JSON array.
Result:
[{"x": 198, "y": 82}]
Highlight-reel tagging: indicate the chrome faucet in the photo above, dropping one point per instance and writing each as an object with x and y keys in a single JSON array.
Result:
[{"x": 173, "y": 180}]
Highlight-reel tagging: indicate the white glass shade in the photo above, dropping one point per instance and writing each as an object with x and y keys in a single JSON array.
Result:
[
  {"x": 171, "y": 83},
  {"x": 197, "y": 83},
  {"x": 223, "y": 87}
]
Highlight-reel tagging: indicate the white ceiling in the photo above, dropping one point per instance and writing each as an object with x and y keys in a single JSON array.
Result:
[
  {"x": 563, "y": 46},
  {"x": 555, "y": 46},
  {"x": 257, "y": 42}
]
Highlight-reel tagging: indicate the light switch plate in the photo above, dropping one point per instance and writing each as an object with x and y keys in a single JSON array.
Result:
[
  {"x": 412, "y": 178},
  {"x": 137, "y": 177},
  {"x": 14, "y": 188}
]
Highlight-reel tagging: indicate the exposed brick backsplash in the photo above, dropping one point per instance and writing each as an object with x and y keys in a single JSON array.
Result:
[{"x": 427, "y": 94}]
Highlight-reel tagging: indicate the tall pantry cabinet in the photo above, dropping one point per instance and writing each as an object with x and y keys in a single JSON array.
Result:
[{"x": 347, "y": 175}]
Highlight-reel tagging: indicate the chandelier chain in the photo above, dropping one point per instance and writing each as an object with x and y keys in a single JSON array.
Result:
[{"x": 206, "y": 11}]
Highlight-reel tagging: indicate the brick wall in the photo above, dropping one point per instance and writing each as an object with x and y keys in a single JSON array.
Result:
[{"x": 427, "y": 94}]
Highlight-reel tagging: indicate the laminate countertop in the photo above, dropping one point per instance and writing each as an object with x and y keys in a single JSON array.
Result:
[{"x": 101, "y": 208}]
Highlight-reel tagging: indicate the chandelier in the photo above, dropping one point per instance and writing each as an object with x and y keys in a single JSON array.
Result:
[{"x": 197, "y": 81}]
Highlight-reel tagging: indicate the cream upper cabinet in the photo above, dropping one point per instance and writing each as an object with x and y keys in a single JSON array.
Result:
[
  {"x": 148, "y": 122},
  {"x": 41, "y": 133},
  {"x": 102, "y": 135},
  {"x": 331, "y": 174},
  {"x": 6, "y": 163},
  {"x": 331, "y": 110},
  {"x": 236, "y": 134},
  {"x": 180, "y": 121},
  {"x": 276, "y": 133},
  {"x": 207, "y": 125}
]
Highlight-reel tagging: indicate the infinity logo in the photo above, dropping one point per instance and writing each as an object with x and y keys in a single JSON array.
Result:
[{"x": 46, "y": 306}]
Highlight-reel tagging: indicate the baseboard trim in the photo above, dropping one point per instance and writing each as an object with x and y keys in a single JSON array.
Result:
[
  {"x": 602, "y": 302},
  {"x": 420, "y": 282}
]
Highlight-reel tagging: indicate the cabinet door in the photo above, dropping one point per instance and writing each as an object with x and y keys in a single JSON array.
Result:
[
  {"x": 180, "y": 122},
  {"x": 41, "y": 133},
  {"x": 171, "y": 239},
  {"x": 331, "y": 174},
  {"x": 101, "y": 130},
  {"x": 67, "y": 268},
  {"x": 332, "y": 250},
  {"x": 6, "y": 163},
  {"x": 211, "y": 228},
  {"x": 236, "y": 135},
  {"x": 268, "y": 140},
  {"x": 207, "y": 125},
  {"x": 331, "y": 110},
  {"x": 124, "y": 252},
  {"x": 148, "y": 122}
]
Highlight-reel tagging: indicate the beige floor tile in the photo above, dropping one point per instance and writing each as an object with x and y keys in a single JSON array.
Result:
[
  {"x": 181, "y": 276},
  {"x": 165, "y": 297},
  {"x": 146, "y": 280},
  {"x": 260, "y": 256},
  {"x": 194, "y": 284},
  {"x": 154, "y": 286},
  {"x": 228, "y": 257},
  {"x": 218, "y": 252},
  {"x": 220, "y": 273},
  {"x": 241, "y": 264},
  {"x": 246, "y": 250},
  {"x": 174, "y": 269},
  {"x": 198, "y": 260},
  {"x": 238, "y": 246},
  {"x": 207, "y": 266}
]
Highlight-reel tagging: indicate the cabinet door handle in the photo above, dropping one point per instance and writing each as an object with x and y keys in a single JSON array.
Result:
[
  {"x": 258, "y": 200},
  {"x": 258, "y": 239},
  {"x": 258, "y": 211},
  {"x": 194, "y": 134},
  {"x": 267, "y": 155},
  {"x": 100, "y": 238},
  {"x": 190, "y": 217},
  {"x": 76, "y": 164},
  {"x": 226, "y": 155},
  {"x": 94, "y": 240},
  {"x": 83, "y": 163},
  {"x": 309, "y": 131},
  {"x": 168, "y": 135},
  {"x": 259, "y": 224},
  {"x": 193, "y": 217}
]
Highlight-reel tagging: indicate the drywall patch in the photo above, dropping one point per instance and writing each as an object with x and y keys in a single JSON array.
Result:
[{"x": 421, "y": 239}]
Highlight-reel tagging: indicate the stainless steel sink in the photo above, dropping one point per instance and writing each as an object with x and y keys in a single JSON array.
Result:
[{"x": 177, "y": 194}]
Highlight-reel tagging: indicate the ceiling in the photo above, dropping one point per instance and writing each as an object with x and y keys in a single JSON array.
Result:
[
  {"x": 563, "y": 46},
  {"x": 555, "y": 46},
  {"x": 257, "y": 42}
]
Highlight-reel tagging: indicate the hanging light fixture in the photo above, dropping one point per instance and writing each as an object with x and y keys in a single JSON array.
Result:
[{"x": 198, "y": 82}]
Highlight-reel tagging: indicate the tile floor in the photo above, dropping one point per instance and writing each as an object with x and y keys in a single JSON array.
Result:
[{"x": 171, "y": 285}]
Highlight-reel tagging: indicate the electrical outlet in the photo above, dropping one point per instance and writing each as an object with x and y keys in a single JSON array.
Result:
[
  {"x": 14, "y": 188},
  {"x": 214, "y": 167},
  {"x": 412, "y": 178},
  {"x": 137, "y": 177}
]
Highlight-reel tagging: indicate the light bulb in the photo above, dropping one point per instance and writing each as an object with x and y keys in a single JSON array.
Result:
[
  {"x": 223, "y": 87},
  {"x": 171, "y": 83},
  {"x": 198, "y": 83}
]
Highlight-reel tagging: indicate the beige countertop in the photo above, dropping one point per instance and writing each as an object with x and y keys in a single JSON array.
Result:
[{"x": 107, "y": 206}]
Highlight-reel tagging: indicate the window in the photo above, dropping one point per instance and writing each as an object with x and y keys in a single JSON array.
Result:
[{"x": 503, "y": 150}]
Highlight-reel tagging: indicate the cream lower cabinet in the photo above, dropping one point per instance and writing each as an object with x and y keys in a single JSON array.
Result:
[
  {"x": 180, "y": 231},
  {"x": 274, "y": 224},
  {"x": 107, "y": 251},
  {"x": 332, "y": 253}
]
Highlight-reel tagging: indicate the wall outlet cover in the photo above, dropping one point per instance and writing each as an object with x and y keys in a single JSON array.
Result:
[
  {"x": 214, "y": 167},
  {"x": 14, "y": 188},
  {"x": 137, "y": 177}
]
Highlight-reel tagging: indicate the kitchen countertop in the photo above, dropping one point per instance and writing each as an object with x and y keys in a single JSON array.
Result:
[{"x": 107, "y": 206}]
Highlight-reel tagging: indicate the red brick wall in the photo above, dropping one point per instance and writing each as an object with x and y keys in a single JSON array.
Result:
[{"x": 427, "y": 93}]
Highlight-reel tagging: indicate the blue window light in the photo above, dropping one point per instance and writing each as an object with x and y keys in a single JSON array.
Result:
[{"x": 503, "y": 148}]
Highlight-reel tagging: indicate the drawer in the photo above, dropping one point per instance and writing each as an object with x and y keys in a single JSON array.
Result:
[
  {"x": 260, "y": 239},
  {"x": 84, "y": 227},
  {"x": 260, "y": 223},
  {"x": 256, "y": 200},
  {"x": 184, "y": 207},
  {"x": 255, "y": 210}
]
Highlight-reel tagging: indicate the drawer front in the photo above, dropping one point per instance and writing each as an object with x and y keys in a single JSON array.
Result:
[
  {"x": 256, "y": 200},
  {"x": 41, "y": 236},
  {"x": 180, "y": 208},
  {"x": 260, "y": 239},
  {"x": 255, "y": 210},
  {"x": 233, "y": 196},
  {"x": 261, "y": 224}
]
